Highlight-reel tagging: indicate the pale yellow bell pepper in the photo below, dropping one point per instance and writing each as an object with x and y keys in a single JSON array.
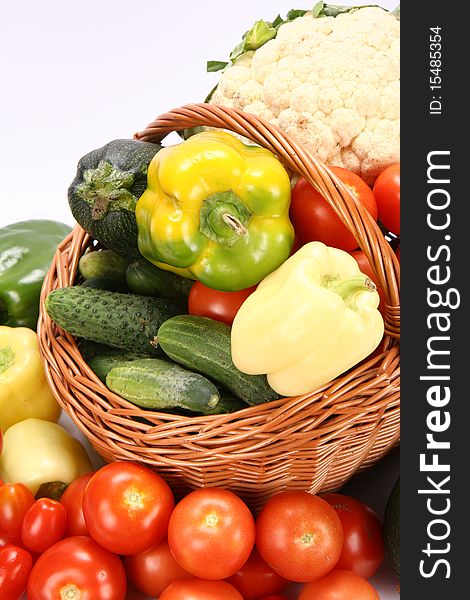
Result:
[
  {"x": 24, "y": 392},
  {"x": 37, "y": 452},
  {"x": 307, "y": 322}
]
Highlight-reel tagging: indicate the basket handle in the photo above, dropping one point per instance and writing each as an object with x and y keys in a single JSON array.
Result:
[{"x": 356, "y": 218}]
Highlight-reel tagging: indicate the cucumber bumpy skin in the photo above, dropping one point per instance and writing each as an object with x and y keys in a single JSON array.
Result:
[
  {"x": 120, "y": 320},
  {"x": 203, "y": 345},
  {"x": 158, "y": 384}
]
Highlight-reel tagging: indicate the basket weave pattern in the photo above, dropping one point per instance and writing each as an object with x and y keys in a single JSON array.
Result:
[{"x": 315, "y": 442}]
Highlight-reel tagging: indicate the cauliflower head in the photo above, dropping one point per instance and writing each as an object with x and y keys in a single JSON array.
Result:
[{"x": 331, "y": 83}]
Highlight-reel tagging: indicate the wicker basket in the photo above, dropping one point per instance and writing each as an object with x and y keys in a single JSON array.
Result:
[{"x": 315, "y": 442}]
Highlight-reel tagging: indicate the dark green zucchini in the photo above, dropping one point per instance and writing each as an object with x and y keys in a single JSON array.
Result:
[
  {"x": 148, "y": 280},
  {"x": 161, "y": 385},
  {"x": 121, "y": 320},
  {"x": 104, "y": 193},
  {"x": 203, "y": 345}
]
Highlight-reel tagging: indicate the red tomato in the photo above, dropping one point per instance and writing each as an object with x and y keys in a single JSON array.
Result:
[
  {"x": 15, "y": 566},
  {"x": 363, "y": 548},
  {"x": 297, "y": 245},
  {"x": 339, "y": 585},
  {"x": 365, "y": 265},
  {"x": 366, "y": 268},
  {"x": 152, "y": 572},
  {"x": 7, "y": 539},
  {"x": 127, "y": 507},
  {"x": 273, "y": 597},
  {"x": 77, "y": 567},
  {"x": 221, "y": 306},
  {"x": 211, "y": 533},
  {"x": 314, "y": 219},
  {"x": 15, "y": 500},
  {"x": 199, "y": 589},
  {"x": 387, "y": 195},
  {"x": 299, "y": 535},
  {"x": 43, "y": 525},
  {"x": 256, "y": 578},
  {"x": 72, "y": 500}
]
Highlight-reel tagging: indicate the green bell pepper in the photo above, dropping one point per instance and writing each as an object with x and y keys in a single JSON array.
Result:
[{"x": 26, "y": 251}]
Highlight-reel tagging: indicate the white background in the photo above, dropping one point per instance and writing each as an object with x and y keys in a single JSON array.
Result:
[{"x": 75, "y": 75}]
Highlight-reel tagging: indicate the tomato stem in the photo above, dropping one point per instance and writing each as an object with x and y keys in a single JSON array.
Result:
[
  {"x": 211, "y": 520},
  {"x": 70, "y": 592},
  {"x": 307, "y": 539}
]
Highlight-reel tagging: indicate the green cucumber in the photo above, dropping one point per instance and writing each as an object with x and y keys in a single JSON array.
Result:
[
  {"x": 203, "y": 345},
  {"x": 101, "y": 359},
  {"x": 113, "y": 284},
  {"x": 161, "y": 385},
  {"x": 120, "y": 320},
  {"x": 101, "y": 364},
  {"x": 89, "y": 349},
  {"x": 102, "y": 263},
  {"x": 391, "y": 527},
  {"x": 146, "y": 279},
  {"x": 227, "y": 404}
]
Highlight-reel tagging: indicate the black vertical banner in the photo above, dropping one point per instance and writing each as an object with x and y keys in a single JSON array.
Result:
[{"x": 435, "y": 259}]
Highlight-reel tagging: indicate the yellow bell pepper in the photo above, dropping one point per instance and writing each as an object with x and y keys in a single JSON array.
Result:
[
  {"x": 307, "y": 322},
  {"x": 216, "y": 210},
  {"x": 37, "y": 452},
  {"x": 24, "y": 391}
]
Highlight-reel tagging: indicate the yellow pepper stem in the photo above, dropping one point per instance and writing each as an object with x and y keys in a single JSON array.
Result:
[
  {"x": 347, "y": 288},
  {"x": 224, "y": 217},
  {"x": 234, "y": 223}
]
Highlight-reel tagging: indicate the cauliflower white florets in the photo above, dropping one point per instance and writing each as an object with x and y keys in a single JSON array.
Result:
[{"x": 331, "y": 83}]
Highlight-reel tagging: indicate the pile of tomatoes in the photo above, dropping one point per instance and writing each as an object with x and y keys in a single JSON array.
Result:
[
  {"x": 314, "y": 220},
  {"x": 120, "y": 525}
]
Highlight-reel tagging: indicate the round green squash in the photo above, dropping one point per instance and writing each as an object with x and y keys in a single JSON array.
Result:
[{"x": 104, "y": 193}]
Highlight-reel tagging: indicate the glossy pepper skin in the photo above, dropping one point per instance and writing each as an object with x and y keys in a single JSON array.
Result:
[
  {"x": 26, "y": 251},
  {"x": 307, "y": 322},
  {"x": 24, "y": 391},
  {"x": 37, "y": 452},
  {"x": 216, "y": 210}
]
